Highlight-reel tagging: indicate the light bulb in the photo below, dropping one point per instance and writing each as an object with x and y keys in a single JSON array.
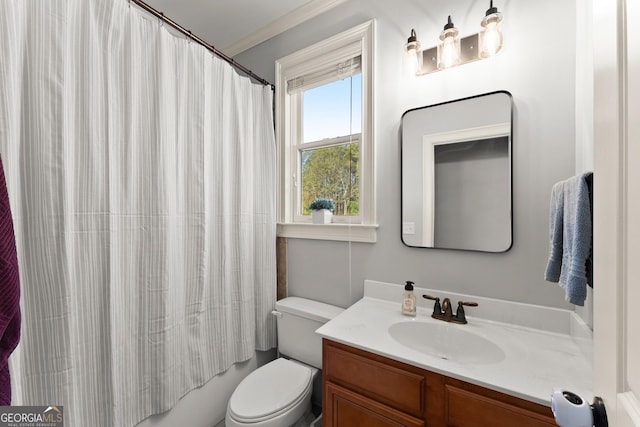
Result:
[
  {"x": 413, "y": 56},
  {"x": 490, "y": 37},
  {"x": 448, "y": 47},
  {"x": 448, "y": 56}
]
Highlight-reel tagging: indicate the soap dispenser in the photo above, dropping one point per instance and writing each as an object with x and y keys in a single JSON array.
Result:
[{"x": 408, "y": 300}]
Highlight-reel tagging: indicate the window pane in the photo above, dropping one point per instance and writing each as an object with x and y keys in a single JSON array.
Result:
[
  {"x": 333, "y": 109},
  {"x": 332, "y": 173}
]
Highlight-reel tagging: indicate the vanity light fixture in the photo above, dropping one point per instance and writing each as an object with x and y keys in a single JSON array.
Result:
[{"x": 452, "y": 50}]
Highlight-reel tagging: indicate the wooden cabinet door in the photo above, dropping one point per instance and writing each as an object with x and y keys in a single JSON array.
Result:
[
  {"x": 382, "y": 380},
  {"x": 465, "y": 408},
  {"x": 344, "y": 408}
]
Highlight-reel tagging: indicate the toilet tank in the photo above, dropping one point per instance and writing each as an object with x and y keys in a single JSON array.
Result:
[{"x": 298, "y": 319}]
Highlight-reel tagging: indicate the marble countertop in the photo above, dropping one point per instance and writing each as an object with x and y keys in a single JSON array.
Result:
[{"x": 537, "y": 358}]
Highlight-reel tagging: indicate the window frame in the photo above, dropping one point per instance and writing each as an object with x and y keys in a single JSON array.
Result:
[{"x": 356, "y": 41}]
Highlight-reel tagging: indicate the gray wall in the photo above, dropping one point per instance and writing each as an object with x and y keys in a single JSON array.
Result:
[{"x": 537, "y": 66}]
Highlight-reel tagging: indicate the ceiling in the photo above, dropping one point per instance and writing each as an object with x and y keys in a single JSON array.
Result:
[{"x": 233, "y": 26}]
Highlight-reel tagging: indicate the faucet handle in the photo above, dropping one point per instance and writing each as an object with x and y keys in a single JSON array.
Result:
[
  {"x": 436, "y": 306},
  {"x": 469, "y": 304},
  {"x": 460, "y": 316}
]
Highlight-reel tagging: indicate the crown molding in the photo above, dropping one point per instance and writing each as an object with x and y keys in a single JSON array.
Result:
[{"x": 302, "y": 14}]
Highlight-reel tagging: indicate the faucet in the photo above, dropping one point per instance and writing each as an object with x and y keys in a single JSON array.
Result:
[{"x": 444, "y": 312}]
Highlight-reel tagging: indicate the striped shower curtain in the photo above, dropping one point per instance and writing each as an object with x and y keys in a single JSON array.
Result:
[{"x": 141, "y": 171}]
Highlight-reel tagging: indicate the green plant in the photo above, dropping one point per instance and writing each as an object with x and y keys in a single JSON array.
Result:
[{"x": 318, "y": 204}]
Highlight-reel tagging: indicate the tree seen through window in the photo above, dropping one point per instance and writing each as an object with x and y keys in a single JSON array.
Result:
[{"x": 332, "y": 173}]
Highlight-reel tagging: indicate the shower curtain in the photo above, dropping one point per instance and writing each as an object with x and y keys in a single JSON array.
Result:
[{"x": 141, "y": 172}]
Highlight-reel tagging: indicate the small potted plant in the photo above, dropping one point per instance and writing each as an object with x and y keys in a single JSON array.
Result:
[{"x": 321, "y": 211}]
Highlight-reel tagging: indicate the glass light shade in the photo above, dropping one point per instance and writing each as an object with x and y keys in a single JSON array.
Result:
[
  {"x": 490, "y": 37},
  {"x": 448, "y": 48},
  {"x": 413, "y": 56}
]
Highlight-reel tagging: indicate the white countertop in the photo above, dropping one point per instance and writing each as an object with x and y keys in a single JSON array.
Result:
[{"x": 536, "y": 360}]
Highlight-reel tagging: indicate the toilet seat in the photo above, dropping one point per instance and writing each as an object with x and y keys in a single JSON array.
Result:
[{"x": 272, "y": 391}]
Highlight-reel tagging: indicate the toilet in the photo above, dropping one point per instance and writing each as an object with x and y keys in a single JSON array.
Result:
[{"x": 278, "y": 394}]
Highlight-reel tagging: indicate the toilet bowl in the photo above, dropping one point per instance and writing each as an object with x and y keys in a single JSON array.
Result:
[{"x": 278, "y": 394}]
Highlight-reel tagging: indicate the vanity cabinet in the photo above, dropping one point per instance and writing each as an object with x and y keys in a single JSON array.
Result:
[{"x": 365, "y": 389}]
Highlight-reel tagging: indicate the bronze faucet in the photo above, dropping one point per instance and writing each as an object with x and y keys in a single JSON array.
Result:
[{"x": 444, "y": 312}]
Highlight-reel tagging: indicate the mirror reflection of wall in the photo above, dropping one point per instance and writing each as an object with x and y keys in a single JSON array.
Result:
[
  {"x": 456, "y": 174},
  {"x": 472, "y": 177}
]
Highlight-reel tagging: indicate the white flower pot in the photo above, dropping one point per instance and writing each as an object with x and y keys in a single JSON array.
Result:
[{"x": 322, "y": 216}]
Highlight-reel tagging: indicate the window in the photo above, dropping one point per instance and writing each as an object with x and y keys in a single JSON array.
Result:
[
  {"x": 325, "y": 138},
  {"x": 330, "y": 146}
]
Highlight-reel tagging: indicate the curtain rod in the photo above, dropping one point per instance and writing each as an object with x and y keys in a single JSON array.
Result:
[{"x": 197, "y": 39}]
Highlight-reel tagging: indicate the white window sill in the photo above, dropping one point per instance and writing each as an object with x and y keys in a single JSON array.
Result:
[{"x": 365, "y": 233}]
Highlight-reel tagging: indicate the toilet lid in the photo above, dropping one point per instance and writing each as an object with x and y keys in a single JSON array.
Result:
[{"x": 270, "y": 389}]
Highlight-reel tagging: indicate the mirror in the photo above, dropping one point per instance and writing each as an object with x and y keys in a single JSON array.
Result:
[{"x": 456, "y": 174}]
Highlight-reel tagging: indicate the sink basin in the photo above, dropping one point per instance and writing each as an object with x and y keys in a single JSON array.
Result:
[{"x": 446, "y": 341}]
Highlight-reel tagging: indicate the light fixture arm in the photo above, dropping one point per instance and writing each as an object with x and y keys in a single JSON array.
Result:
[{"x": 491, "y": 9}]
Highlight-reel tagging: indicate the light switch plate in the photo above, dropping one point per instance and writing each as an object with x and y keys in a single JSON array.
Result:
[{"x": 408, "y": 228}]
